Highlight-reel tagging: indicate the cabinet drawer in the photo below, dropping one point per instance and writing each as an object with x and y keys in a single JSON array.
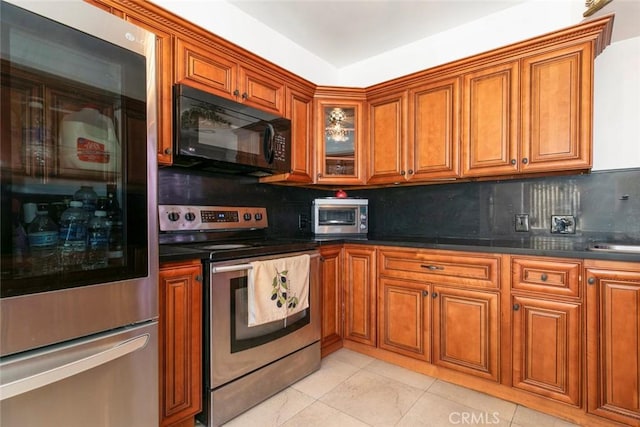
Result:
[
  {"x": 546, "y": 275},
  {"x": 459, "y": 268}
]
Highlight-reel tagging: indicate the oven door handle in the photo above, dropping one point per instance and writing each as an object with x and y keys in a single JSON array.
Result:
[{"x": 227, "y": 268}]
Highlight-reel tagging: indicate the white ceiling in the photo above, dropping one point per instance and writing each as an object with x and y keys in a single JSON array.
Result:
[{"x": 343, "y": 32}]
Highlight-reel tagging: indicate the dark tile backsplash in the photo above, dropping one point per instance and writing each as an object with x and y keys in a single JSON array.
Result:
[{"x": 605, "y": 203}]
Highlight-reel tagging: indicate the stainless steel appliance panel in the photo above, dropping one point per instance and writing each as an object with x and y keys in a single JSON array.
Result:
[
  {"x": 109, "y": 380},
  {"x": 340, "y": 216},
  {"x": 225, "y": 365}
]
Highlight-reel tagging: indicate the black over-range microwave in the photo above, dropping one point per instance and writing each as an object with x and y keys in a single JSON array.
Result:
[{"x": 220, "y": 135}]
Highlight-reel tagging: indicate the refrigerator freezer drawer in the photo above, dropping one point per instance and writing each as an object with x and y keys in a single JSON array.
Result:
[{"x": 106, "y": 380}]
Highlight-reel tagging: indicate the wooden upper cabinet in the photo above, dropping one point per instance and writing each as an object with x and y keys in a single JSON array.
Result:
[
  {"x": 556, "y": 109},
  {"x": 213, "y": 71},
  {"x": 340, "y": 122},
  {"x": 490, "y": 121},
  {"x": 387, "y": 139},
  {"x": 434, "y": 130}
]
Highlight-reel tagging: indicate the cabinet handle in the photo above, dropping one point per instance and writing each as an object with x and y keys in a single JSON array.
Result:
[
  {"x": 435, "y": 295},
  {"x": 425, "y": 293},
  {"x": 167, "y": 151},
  {"x": 432, "y": 267},
  {"x": 410, "y": 171},
  {"x": 236, "y": 92},
  {"x": 402, "y": 173},
  {"x": 319, "y": 175},
  {"x": 245, "y": 95},
  {"x": 543, "y": 277},
  {"x": 513, "y": 161},
  {"x": 199, "y": 278},
  {"x": 591, "y": 280},
  {"x": 516, "y": 307},
  {"x": 525, "y": 160}
]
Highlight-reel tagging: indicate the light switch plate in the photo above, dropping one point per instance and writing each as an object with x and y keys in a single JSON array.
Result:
[{"x": 522, "y": 222}]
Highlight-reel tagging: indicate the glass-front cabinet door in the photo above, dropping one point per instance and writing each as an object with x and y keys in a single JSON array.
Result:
[{"x": 339, "y": 141}]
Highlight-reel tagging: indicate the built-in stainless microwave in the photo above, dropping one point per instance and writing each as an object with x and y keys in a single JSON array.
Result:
[
  {"x": 221, "y": 135},
  {"x": 333, "y": 215}
]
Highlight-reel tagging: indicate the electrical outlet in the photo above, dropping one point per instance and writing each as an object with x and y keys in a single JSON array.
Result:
[
  {"x": 563, "y": 224},
  {"x": 303, "y": 222},
  {"x": 522, "y": 222}
]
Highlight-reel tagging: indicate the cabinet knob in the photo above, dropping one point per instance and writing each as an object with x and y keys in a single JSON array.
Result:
[
  {"x": 245, "y": 95},
  {"x": 319, "y": 175},
  {"x": 525, "y": 160},
  {"x": 168, "y": 151},
  {"x": 435, "y": 295},
  {"x": 513, "y": 161},
  {"x": 236, "y": 92},
  {"x": 425, "y": 293},
  {"x": 410, "y": 171},
  {"x": 543, "y": 277},
  {"x": 591, "y": 280},
  {"x": 402, "y": 173},
  {"x": 199, "y": 278},
  {"x": 516, "y": 307}
]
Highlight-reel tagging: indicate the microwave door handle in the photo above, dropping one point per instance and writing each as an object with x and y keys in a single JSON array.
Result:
[{"x": 267, "y": 143}]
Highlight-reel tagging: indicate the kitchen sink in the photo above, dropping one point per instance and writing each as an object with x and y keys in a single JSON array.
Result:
[{"x": 614, "y": 247}]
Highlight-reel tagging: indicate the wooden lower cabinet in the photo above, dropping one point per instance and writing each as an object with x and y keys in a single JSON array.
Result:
[
  {"x": 613, "y": 340},
  {"x": 547, "y": 348},
  {"x": 466, "y": 331},
  {"x": 404, "y": 317},
  {"x": 180, "y": 343},
  {"x": 332, "y": 301},
  {"x": 360, "y": 294}
]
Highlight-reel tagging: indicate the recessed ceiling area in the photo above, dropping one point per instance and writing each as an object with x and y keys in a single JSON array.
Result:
[{"x": 345, "y": 32}]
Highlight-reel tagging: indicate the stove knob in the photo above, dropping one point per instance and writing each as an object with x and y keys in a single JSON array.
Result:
[
  {"x": 258, "y": 216},
  {"x": 190, "y": 216},
  {"x": 247, "y": 217},
  {"x": 173, "y": 216}
]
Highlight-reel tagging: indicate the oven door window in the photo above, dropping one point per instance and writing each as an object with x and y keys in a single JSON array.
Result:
[
  {"x": 337, "y": 216},
  {"x": 74, "y": 129},
  {"x": 244, "y": 337}
]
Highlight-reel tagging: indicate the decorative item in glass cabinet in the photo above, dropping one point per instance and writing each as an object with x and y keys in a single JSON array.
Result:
[{"x": 336, "y": 129}]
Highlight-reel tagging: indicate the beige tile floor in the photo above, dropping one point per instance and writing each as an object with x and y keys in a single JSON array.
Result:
[{"x": 352, "y": 389}]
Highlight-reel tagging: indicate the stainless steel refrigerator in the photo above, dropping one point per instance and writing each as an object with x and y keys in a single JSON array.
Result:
[{"x": 78, "y": 225}]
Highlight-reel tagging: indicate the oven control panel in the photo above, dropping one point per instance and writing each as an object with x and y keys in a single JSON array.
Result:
[{"x": 202, "y": 218}]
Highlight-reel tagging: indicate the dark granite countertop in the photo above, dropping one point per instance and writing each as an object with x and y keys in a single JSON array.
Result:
[{"x": 564, "y": 247}]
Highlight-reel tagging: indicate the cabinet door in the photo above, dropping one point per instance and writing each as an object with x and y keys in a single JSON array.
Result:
[
  {"x": 434, "y": 130},
  {"x": 556, "y": 109},
  {"x": 547, "y": 348},
  {"x": 339, "y": 141},
  {"x": 490, "y": 121},
  {"x": 613, "y": 341},
  {"x": 465, "y": 331},
  {"x": 204, "y": 69},
  {"x": 332, "y": 306},
  {"x": 180, "y": 342},
  {"x": 260, "y": 90},
  {"x": 404, "y": 324},
  {"x": 387, "y": 139},
  {"x": 360, "y": 294}
]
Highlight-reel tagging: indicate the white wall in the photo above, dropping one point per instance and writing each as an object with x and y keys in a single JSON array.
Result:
[
  {"x": 617, "y": 70},
  {"x": 616, "y": 110}
]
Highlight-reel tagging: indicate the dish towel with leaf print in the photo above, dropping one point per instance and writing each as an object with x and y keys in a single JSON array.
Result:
[{"x": 277, "y": 288}]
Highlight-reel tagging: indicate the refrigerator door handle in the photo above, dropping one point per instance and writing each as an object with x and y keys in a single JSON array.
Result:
[{"x": 41, "y": 379}]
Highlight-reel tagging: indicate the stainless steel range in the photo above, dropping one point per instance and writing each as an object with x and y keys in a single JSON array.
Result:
[{"x": 243, "y": 365}]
